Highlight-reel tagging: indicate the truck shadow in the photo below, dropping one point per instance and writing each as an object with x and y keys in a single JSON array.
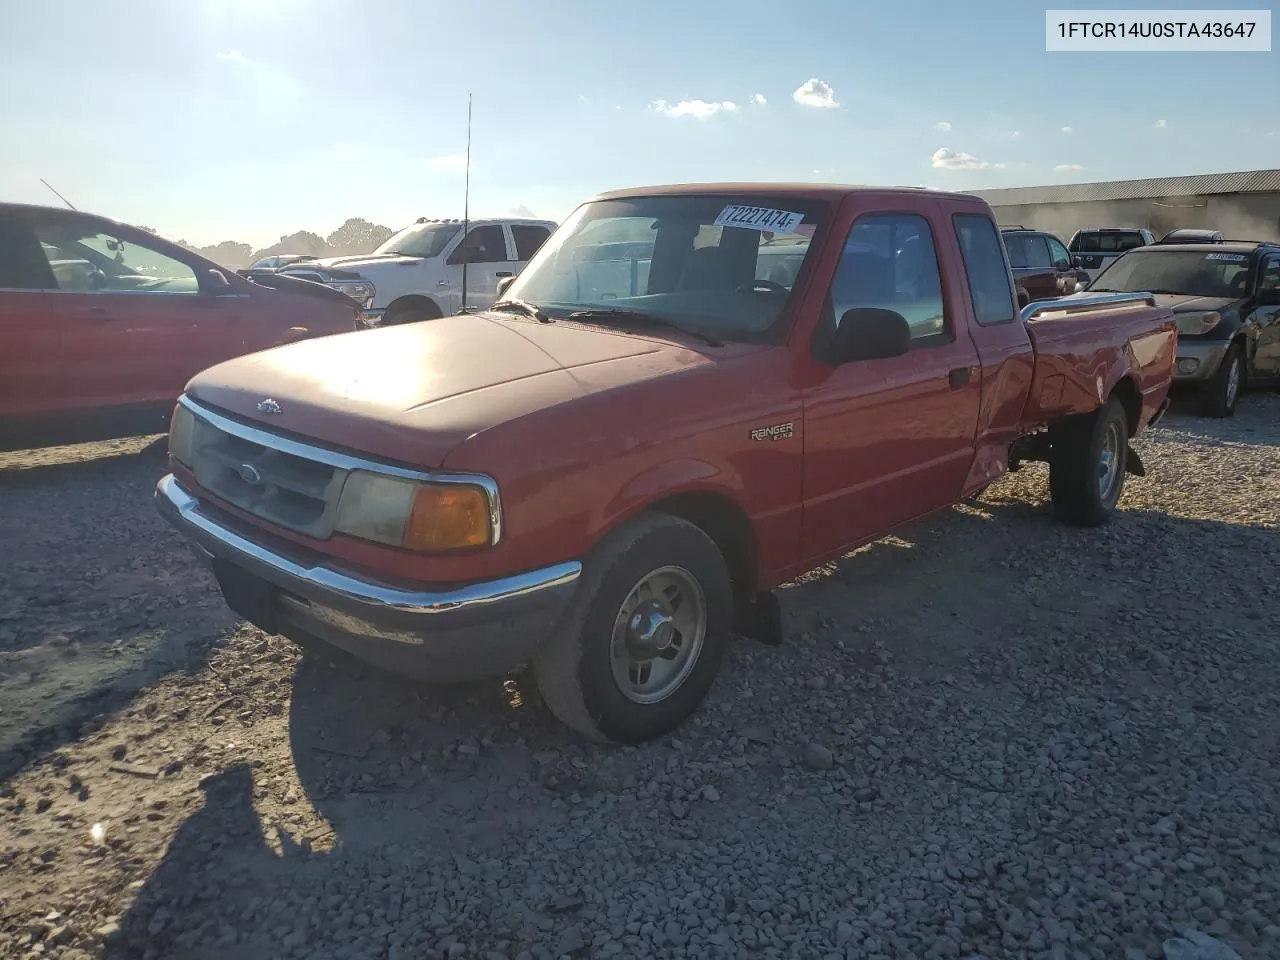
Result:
[{"x": 433, "y": 783}]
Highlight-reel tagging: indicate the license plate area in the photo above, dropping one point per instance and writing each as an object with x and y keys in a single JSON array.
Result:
[{"x": 251, "y": 597}]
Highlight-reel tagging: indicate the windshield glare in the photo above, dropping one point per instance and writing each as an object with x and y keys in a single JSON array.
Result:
[
  {"x": 1191, "y": 272},
  {"x": 421, "y": 240},
  {"x": 669, "y": 258}
]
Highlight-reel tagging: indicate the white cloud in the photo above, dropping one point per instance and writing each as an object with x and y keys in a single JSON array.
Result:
[
  {"x": 942, "y": 126},
  {"x": 945, "y": 158},
  {"x": 1067, "y": 168},
  {"x": 234, "y": 56},
  {"x": 815, "y": 93},
  {"x": 759, "y": 99},
  {"x": 699, "y": 109},
  {"x": 520, "y": 210},
  {"x": 448, "y": 163},
  {"x": 582, "y": 98},
  {"x": 1015, "y": 134},
  {"x": 1161, "y": 124},
  {"x": 1068, "y": 129}
]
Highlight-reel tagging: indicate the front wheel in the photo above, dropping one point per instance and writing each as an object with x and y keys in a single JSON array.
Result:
[
  {"x": 1218, "y": 397},
  {"x": 641, "y": 644},
  {"x": 1087, "y": 463}
]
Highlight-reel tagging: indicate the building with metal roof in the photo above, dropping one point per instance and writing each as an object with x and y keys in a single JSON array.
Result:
[{"x": 1244, "y": 205}]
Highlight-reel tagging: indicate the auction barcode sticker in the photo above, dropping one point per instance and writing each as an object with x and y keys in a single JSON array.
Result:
[
  {"x": 1143, "y": 31},
  {"x": 1229, "y": 257},
  {"x": 759, "y": 218}
]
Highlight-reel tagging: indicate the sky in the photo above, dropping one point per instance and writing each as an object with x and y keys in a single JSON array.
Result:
[{"x": 215, "y": 120}]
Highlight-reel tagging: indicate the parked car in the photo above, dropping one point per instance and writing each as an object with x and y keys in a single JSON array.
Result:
[
  {"x": 1098, "y": 246},
  {"x": 101, "y": 324},
  {"x": 274, "y": 264},
  {"x": 1227, "y": 301},
  {"x": 1042, "y": 267},
  {"x": 604, "y": 485},
  {"x": 1193, "y": 236},
  {"x": 417, "y": 273}
]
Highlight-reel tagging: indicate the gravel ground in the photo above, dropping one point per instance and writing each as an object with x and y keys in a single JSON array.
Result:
[{"x": 989, "y": 736}]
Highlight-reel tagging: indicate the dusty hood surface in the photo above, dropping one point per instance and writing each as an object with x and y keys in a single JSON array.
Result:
[
  {"x": 356, "y": 262},
  {"x": 1182, "y": 303},
  {"x": 412, "y": 393}
]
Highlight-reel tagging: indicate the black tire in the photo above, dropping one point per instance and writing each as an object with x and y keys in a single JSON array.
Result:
[
  {"x": 1076, "y": 462},
  {"x": 574, "y": 669},
  {"x": 1217, "y": 398},
  {"x": 410, "y": 311}
]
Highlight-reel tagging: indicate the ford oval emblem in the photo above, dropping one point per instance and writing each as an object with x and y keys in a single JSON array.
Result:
[
  {"x": 249, "y": 474},
  {"x": 268, "y": 406}
]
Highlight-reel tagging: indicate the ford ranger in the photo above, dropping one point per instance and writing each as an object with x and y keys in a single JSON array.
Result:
[{"x": 606, "y": 473}]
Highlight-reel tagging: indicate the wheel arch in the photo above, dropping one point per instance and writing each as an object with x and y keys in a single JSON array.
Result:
[{"x": 420, "y": 300}]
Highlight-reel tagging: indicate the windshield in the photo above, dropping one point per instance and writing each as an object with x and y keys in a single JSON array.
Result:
[
  {"x": 421, "y": 240},
  {"x": 725, "y": 265},
  {"x": 1191, "y": 272},
  {"x": 1108, "y": 241}
]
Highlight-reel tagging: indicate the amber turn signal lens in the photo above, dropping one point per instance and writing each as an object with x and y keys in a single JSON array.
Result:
[{"x": 448, "y": 517}]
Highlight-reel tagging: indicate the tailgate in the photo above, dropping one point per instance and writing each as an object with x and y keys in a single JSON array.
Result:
[{"x": 1087, "y": 343}]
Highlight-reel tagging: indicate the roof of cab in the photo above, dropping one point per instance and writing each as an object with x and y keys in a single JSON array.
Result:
[
  {"x": 1222, "y": 246},
  {"x": 829, "y": 192}
]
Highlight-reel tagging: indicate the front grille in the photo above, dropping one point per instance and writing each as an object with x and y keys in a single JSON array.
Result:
[{"x": 282, "y": 488}]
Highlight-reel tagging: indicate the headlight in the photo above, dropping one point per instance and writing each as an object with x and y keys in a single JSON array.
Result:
[
  {"x": 415, "y": 515},
  {"x": 361, "y": 290},
  {"x": 1195, "y": 324},
  {"x": 182, "y": 435}
]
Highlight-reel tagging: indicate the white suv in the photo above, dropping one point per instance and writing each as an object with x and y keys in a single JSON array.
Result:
[{"x": 417, "y": 273}]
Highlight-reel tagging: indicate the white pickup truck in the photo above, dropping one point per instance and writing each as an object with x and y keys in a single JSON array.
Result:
[{"x": 417, "y": 273}]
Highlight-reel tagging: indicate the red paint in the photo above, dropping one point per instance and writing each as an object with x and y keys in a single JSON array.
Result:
[{"x": 583, "y": 428}]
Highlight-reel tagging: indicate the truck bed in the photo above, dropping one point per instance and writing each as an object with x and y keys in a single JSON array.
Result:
[{"x": 1086, "y": 344}]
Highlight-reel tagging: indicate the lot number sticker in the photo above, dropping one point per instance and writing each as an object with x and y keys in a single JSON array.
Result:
[
  {"x": 1232, "y": 257},
  {"x": 759, "y": 218}
]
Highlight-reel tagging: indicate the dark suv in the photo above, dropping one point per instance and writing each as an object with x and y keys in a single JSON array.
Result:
[{"x": 1042, "y": 267}]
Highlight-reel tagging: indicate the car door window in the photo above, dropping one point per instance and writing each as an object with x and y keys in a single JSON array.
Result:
[
  {"x": 85, "y": 259},
  {"x": 1058, "y": 253},
  {"x": 1038, "y": 253},
  {"x": 1269, "y": 277},
  {"x": 984, "y": 266},
  {"x": 1016, "y": 246},
  {"x": 485, "y": 244},
  {"x": 528, "y": 239},
  {"x": 23, "y": 264},
  {"x": 890, "y": 261}
]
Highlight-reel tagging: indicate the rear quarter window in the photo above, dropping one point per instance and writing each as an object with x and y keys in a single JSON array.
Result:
[
  {"x": 1108, "y": 242},
  {"x": 984, "y": 265}
]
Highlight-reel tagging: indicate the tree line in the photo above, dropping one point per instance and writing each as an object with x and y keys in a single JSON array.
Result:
[{"x": 356, "y": 236}]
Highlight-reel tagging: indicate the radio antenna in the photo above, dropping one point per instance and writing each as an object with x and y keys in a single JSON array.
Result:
[
  {"x": 466, "y": 208},
  {"x": 59, "y": 196}
]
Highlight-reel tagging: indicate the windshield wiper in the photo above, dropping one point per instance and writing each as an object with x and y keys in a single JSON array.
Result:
[
  {"x": 642, "y": 318},
  {"x": 522, "y": 306}
]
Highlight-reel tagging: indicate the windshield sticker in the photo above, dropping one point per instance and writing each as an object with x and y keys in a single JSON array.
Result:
[
  {"x": 1232, "y": 257},
  {"x": 759, "y": 218}
]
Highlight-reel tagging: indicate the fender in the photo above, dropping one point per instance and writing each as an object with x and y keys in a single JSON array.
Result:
[{"x": 663, "y": 480}]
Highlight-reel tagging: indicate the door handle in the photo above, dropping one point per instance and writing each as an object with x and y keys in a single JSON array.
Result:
[
  {"x": 503, "y": 273},
  {"x": 958, "y": 377},
  {"x": 98, "y": 314},
  {"x": 443, "y": 283}
]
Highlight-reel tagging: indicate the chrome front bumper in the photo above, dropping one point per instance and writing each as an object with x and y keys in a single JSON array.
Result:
[
  {"x": 453, "y": 633},
  {"x": 1198, "y": 361}
]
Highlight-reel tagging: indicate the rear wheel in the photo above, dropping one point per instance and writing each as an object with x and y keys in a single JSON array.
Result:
[
  {"x": 642, "y": 642},
  {"x": 1218, "y": 397},
  {"x": 1087, "y": 465},
  {"x": 410, "y": 311}
]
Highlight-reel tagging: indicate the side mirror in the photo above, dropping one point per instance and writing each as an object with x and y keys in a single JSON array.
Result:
[
  {"x": 504, "y": 283},
  {"x": 1269, "y": 297},
  {"x": 1062, "y": 264},
  {"x": 871, "y": 333},
  {"x": 218, "y": 283}
]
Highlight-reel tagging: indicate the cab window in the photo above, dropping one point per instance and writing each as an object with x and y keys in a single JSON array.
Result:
[{"x": 85, "y": 259}]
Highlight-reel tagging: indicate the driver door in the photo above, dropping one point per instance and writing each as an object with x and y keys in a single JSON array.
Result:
[
  {"x": 485, "y": 253},
  {"x": 1266, "y": 316}
]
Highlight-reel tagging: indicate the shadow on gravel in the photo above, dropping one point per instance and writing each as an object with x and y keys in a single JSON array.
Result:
[{"x": 98, "y": 598}]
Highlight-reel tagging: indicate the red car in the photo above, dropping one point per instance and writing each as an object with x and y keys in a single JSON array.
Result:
[
  {"x": 608, "y": 470},
  {"x": 102, "y": 324}
]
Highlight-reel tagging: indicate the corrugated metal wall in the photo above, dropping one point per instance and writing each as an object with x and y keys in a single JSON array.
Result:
[{"x": 1240, "y": 216}]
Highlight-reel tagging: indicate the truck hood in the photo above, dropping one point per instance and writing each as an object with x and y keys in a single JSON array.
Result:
[
  {"x": 359, "y": 262},
  {"x": 412, "y": 393}
]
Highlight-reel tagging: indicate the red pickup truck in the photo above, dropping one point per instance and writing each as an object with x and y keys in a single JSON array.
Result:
[
  {"x": 669, "y": 412},
  {"x": 101, "y": 324}
]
